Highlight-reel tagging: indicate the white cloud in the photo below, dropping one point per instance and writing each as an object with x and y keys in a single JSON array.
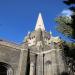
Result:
[{"x": 67, "y": 13}]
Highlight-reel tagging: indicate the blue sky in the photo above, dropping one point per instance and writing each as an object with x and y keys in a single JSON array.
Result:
[{"x": 17, "y": 17}]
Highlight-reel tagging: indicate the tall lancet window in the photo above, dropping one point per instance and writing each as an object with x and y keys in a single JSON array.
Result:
[
  {"x": 48, "y": 68},
  {"x": 32, "y": 68}
]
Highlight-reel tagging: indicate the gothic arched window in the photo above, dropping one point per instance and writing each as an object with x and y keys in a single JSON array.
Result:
[{"x": 48, "y": 66}]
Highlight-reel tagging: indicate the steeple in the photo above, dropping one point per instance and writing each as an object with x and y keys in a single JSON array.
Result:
[{"x": 40, "y": 23}]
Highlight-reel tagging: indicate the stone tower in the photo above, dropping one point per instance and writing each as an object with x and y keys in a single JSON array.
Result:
[{"x": 39, "y": 54}]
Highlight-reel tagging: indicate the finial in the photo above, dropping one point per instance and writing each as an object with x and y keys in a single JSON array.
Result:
[
  {"x": 28, "y": 32},
  {"x": 50, "y": 32}
]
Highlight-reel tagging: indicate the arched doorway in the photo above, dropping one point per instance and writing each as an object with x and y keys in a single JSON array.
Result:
[{"x": 5, "y": 69}]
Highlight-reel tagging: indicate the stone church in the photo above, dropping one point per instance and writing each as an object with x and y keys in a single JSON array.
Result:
[{"x": 39, "y": 54}]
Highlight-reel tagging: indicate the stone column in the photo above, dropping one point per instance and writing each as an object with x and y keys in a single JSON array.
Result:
[
  {"x": 35, "y": 64},
  {"x": 43, "y": 63},
  {"x": 31, "y": 68},
  {"x": 9, "y": 71}
]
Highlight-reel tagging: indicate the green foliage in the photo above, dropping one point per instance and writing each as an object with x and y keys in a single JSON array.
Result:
[
  {"x": 70, "y": 45},
  {"x": 69, "y": 54},
  {"x": 64, "y": 25},
  {"x": 64, "y": 20},
  {"x": 69, "y": 2}
]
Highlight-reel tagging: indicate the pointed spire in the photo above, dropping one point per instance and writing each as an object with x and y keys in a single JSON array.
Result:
[
  {"x": 40, "y": 23},
  {"x": 50, "y": 32}
]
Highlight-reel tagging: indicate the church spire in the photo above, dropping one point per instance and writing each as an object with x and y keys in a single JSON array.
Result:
[{"x": 40, "y": 23}]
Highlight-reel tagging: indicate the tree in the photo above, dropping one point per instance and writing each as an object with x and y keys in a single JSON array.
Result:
[
  {"x": 69, "y": 54},
  {"x": 66, "y": 24},
  {"x": 69, "y": 2}
]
